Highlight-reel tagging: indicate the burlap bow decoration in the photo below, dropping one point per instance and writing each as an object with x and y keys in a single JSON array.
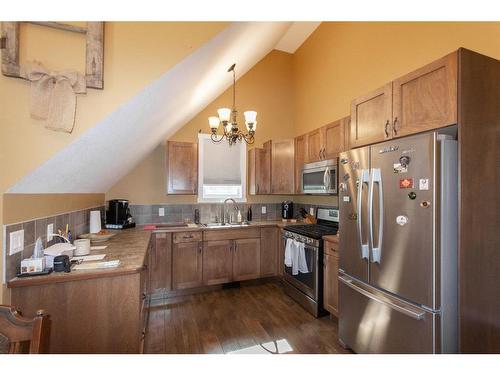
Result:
[{"x": 53, "y": 96}]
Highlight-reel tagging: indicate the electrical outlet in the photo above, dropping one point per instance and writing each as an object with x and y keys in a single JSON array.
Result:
[
  {"x": 50, "y": 231},
  {"x": 16, "y": 242},
  {"x": 161, "y": 211},
  {"x": 311, "y": 211},
  {"x": 263, "y": 210}
]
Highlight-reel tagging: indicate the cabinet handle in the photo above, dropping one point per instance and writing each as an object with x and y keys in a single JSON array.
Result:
[
  {"x": 258, "y": 188},
  {"x": 386, "y": 130},
  {"x": 320, "y": 154},
  {"x": 199, "y": 248},
  {"x": 394, "y": 126},
  {"x": 186, "y": 236},
  {"x": 235, "y": 246},
  {"x": 324, "y": 153}
]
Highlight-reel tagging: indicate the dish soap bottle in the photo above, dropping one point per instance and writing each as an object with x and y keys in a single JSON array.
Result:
[{"x": 238, "y": 217}]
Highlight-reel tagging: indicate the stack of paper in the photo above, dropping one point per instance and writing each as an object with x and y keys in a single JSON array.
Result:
[{"x": 97, "y": 265}]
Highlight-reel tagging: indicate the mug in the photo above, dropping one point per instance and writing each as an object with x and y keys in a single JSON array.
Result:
[{"x": 82, "y": 247}]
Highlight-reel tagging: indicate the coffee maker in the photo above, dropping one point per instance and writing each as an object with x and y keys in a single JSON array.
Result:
[
  {"x": 118, "y": 215},
  {"x": 287, "y": 210}
]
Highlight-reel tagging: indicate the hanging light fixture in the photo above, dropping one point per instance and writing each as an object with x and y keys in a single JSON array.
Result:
[{"x": 227, "y": 117}]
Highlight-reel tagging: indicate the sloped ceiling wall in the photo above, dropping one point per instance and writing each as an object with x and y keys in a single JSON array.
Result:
[{"x": 106, "y": 152}]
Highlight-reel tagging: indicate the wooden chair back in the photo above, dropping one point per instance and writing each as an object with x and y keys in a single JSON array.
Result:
[{"x": 22, "y": 335}]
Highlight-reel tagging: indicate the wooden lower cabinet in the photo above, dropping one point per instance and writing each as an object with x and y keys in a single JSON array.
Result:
[
  {"x": 160, "y": 263},
  {"x": 217, "y": 262},
  {"x": 187, "y": 261},
  {"x": 281, "y": 252},
  {"x": 269, "y": 252},
  {"x": 330, "y": 281},
  {"x": 246, "y": 259}
]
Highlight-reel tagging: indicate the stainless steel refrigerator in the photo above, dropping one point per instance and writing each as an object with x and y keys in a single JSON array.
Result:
[{"x": 398, "y": 246}]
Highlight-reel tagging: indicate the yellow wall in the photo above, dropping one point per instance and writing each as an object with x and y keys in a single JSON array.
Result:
[
  {"x": 266, "y": 88},
  {"x": 342, "y": 60},
  {"x": 135, "y": 54}
]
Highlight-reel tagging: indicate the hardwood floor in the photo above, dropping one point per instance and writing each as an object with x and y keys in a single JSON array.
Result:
[{"x": 249, "y": 319}]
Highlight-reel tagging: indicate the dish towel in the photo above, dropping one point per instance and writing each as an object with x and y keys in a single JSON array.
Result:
[
  {"x": 288, "y": 252},
  {"x": 301, "y": 258},
  {"x": 53, "y": 96}
]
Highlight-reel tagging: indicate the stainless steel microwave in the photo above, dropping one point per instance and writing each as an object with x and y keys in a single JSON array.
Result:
[{"x": 320, "y": 177}]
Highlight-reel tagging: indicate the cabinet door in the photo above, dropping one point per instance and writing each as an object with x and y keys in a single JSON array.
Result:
[
  {"x": 315, "y": 145},
  {"x": 182, "y": 166},
  {"x": 217, "y": 262},
  {"x": 187, "y": 265},
  {"x": 268, "y": 252},
  {"x": 426, "y": 98},
  {"x": 371, "y": 117},
  {"x": 334, "y": 139},
  {"x": 264, "y": 171},
  {"x": 246, "y": 259},
  {"x": 281, "y": 252},
  {"x": 283, "y": 167},
  {"x": 330, "y": 283},
  {"x": 161, "y": 263},
  {"x": 300, "y": 159}
]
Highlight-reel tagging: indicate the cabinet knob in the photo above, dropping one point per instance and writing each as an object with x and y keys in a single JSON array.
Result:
[{"x": 395, "y": 126}]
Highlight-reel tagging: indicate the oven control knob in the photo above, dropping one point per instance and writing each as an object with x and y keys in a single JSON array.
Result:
[{"x": 309, "y": 240}]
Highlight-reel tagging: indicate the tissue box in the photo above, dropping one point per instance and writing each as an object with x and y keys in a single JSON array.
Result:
[{"x": 32, "y": 265}]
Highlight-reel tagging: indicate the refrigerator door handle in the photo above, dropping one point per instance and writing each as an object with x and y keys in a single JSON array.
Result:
[
  {"x": 410, "y": 311},
  {"x": 376, "y": 178},
  {"x": 365, "y": 178}
]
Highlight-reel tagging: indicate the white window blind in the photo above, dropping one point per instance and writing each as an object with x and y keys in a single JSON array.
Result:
[{"x": 222, "y": 170}]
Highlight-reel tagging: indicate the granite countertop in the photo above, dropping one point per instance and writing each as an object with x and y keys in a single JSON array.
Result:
[
  {"x": 332, "y": 238},
  {"x": 130, "y": 247}
]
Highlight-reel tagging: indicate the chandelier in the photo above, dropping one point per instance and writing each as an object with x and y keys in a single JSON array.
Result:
[{"x": 229, "y": 124}]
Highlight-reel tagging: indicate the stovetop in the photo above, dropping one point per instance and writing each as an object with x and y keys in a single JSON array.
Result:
[{"x": 316, "y": 231}]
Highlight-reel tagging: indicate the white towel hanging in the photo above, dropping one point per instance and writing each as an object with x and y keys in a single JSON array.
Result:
[{"x": 288, "y": 252}]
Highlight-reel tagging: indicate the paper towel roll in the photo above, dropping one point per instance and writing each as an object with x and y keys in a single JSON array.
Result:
[{"x": 95, "y": 221}]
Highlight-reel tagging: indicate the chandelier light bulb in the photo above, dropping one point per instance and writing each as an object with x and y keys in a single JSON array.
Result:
[
  {"x": 224, "y": 114},
  {"x": 213, "y": 122},
  {"x": 250, "y": 116}
]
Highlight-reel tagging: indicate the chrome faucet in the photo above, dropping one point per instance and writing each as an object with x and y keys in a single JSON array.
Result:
[{"x": 226, "y": 213}]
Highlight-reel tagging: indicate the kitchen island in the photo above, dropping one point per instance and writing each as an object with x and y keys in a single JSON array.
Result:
[{"x": 106, "y": 310}]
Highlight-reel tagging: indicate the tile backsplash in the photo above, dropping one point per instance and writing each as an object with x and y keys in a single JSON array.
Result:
[
  {"x": 178, "y": 213},
  {"x": 78, "y": 223}
]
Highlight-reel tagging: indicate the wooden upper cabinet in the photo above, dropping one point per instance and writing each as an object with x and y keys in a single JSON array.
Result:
[
  {"x": 259, "y": 171},
  {"x": 269, "y": 251},
  {"x": 334, "y": 138},
  {"x": 182, "y": 167},
  {"x": 283, "y": 167},
  {"x": 187, "y": 265},
  {"x": 371, "y": 117},
  {"x": 217, "y": 262},
  {"x": 426, "y": 98},
  {"x": 315, "y": 145},
  {"x": 300, "y": 160},
  {"x": 246, "y": 259}
]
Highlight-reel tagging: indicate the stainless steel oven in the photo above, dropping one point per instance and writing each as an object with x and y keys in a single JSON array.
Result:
[
  {"x": 306, "y": 282},
  {"x": 320, "y": 177},
  {"x": 306, "y": 288}
]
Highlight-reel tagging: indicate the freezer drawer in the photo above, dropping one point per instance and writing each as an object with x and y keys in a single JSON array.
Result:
[{"x": 374, "y": 322}]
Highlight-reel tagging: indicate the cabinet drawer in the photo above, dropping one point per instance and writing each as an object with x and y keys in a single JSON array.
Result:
[
  {"x": 331, "y": 247},
  {"x": 231, "y": 234},
  {"x": 180, "y": 237}
]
